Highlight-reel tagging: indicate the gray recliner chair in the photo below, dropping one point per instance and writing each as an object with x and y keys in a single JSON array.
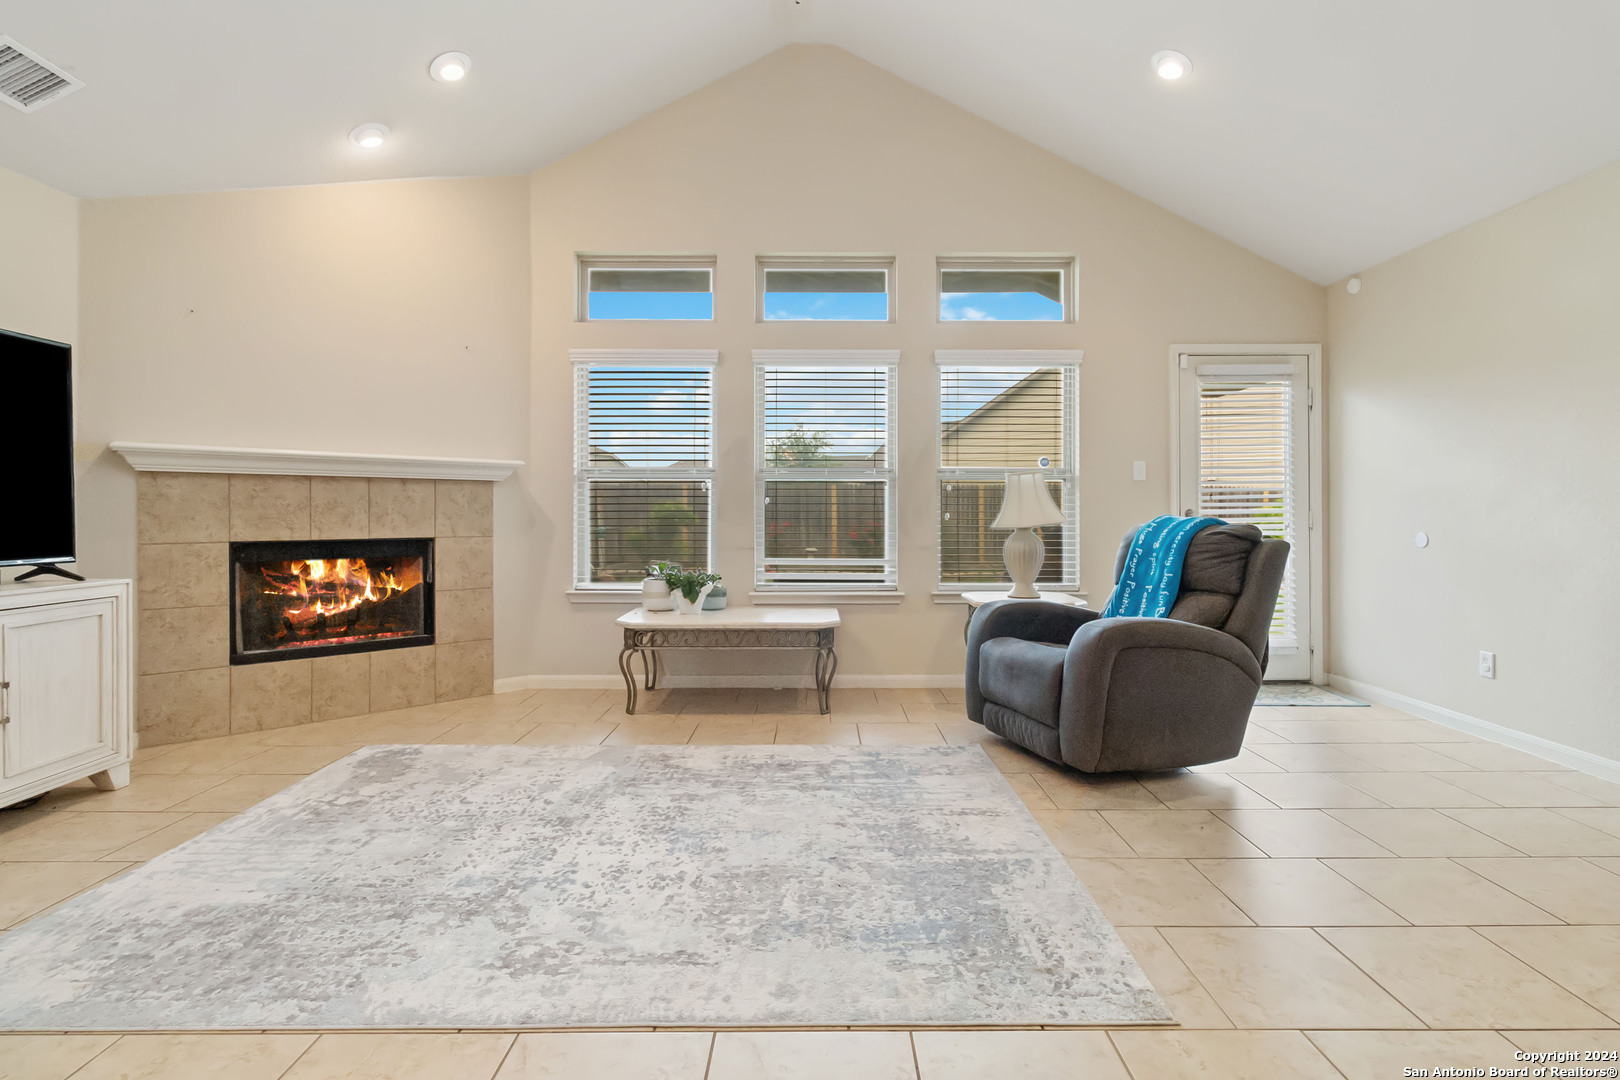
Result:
[{"x": 1128, "y": 694}]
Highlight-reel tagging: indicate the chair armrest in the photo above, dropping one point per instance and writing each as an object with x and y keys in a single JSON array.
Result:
[
  {"x": 1109, "y": 637},
  {"x": 1089, "y": 671},
  {"x": 1031, "y": 620}
]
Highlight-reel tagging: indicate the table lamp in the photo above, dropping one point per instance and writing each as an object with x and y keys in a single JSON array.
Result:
[{"x": 1025, "y": 505}]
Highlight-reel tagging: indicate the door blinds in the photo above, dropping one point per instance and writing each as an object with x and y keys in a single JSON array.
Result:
[{"x": 1247, "y": 467}]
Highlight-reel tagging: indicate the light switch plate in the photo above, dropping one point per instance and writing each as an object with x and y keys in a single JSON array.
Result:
[
  {"x": 1138, "y": 470},
  {"x": 1487, "y": 665}
]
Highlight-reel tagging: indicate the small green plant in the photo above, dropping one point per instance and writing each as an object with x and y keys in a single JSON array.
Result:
[
  {"x": 660, "y": 569},
  {"x": 689, "y": 583}
]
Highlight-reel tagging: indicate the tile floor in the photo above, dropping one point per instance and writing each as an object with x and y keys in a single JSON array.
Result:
[{"x": 1357, "y": 893}]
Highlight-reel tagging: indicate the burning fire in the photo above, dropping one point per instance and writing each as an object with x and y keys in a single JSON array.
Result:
[{"x": 322, "y": 588}]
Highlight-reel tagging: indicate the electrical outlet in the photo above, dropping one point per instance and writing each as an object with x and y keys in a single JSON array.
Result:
[{"x": 1487, "y": 665}]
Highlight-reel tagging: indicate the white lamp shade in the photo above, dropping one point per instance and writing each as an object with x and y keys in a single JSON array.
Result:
[{"x": 1027, "y": 503}]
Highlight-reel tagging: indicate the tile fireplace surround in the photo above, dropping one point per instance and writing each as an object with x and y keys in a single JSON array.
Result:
[{"x": 187, "y": 689}]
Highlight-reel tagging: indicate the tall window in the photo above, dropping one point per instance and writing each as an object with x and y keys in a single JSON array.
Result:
[
  {"x": 1001, "y": 411},
  {"x": 824, "y": 423},
  {"x": 645, "y": 287},
  {"x": 830, "y": 288},
  {"x": 1006, "y": 289},
  {"x": 643, "y": 463}
]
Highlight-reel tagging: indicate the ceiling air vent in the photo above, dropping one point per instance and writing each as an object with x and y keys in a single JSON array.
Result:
[{"x": 27, "y": 82}]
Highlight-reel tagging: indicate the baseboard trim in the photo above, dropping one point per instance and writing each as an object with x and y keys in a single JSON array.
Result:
[
  {"x": 765, "y": 682},
  {"x": 557, "y": 682},
  {"x": 1592, "y": 764}
]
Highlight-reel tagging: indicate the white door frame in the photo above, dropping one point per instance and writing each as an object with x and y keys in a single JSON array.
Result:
[{"x": 1315, "y": 525}]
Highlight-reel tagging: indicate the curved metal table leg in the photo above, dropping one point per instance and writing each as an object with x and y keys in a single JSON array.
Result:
[
  {"x": 826, "y": 667},
  {"x": 627, "y": 657},
  {"x": 649, "y": 666}
]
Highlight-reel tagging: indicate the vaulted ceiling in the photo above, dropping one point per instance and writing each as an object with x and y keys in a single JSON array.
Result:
[{"x": 1324, "y": 136}]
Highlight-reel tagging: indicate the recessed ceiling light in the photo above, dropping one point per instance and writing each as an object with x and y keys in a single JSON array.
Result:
[
  {"x": 450, "y": 67},
  {"x": 369, "y": 136},
  {"x": 1171, "y": 65}
]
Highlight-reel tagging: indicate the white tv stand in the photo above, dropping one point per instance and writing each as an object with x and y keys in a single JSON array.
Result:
[{"x": 65, "y": 686}]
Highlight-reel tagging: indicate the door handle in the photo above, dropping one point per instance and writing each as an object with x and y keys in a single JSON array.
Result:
[{"x": 5, "y": 703}]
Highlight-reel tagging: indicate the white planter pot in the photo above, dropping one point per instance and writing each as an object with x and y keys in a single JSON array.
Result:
[
  {"x": 655, "y": 595},
  {"x": 692, "y": 607}
]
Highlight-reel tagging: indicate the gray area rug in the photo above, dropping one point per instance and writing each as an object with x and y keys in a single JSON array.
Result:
[
  {"x": 503, "y": 886},
  {"x": 1302, "y": 693}
]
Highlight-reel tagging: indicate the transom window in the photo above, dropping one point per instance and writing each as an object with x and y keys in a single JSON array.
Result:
[
  {"x": 824, "y": 477},
  {"x": 1001, "y": 411},
  {"x": 643, "y": 464},
  {"x": 842, "y": 288},
  {"x": 649, "y": 287},
  {"x": 1005, "y": 290}
]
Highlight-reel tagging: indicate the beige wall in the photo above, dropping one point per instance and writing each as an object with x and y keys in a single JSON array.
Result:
[
  {"x": 39, "y": 273},
  {"x": 813, "y": 150},
  {"x": 39, "y": 276},
  {"x": 379, "y": 317},
  {"x": 1472, "y": 389}
]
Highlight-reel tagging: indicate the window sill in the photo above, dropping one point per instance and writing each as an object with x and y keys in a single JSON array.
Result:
[
  {"x": 807, "y": 598},
  {"x": 605, "y": 596},
  {"x": 954, "y": 596}
]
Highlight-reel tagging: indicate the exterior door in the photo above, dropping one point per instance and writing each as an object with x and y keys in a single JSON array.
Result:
[
  {"x": 59, "y": 699},
  {"x": 1245, "y": 456}
]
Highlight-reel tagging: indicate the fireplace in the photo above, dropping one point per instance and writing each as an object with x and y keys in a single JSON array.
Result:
[{"x": 322, "y": 597}]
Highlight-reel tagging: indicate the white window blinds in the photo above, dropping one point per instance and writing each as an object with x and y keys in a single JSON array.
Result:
[
  {"x": 825, "y": 483},
  {"x": 643, "y": 468},
  {"x": 1246, "y": 466},
  {"x": 993, "y": 418}
]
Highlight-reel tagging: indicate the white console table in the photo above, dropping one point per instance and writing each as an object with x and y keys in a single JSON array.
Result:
[
  {"x": 65, "y": 686},
  {"x": 647, "y": 632}
]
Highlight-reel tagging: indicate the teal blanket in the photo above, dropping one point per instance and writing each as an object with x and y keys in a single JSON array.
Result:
[{"x": 1152, "y": 576}]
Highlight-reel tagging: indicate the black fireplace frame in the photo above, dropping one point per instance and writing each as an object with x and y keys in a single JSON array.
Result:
[{"x": 284, "y": 550}]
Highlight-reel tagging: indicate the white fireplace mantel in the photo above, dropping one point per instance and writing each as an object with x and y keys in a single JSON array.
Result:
[{"x": 162, "y": 457}]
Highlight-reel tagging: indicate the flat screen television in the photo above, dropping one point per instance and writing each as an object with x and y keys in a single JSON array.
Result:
[{"x": 36, "y": 454}]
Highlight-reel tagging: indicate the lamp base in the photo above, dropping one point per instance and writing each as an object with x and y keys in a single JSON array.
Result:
[{"x": 1024, "y": 553}]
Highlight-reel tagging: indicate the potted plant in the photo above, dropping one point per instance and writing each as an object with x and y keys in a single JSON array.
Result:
[
  {"x": 690, "y": 588},
  {"x": 655, "y": 594},
  {"x": 716, "y": 600}
]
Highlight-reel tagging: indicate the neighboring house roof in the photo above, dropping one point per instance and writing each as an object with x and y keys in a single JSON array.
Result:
[{"x": 1014, "y": 429}]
